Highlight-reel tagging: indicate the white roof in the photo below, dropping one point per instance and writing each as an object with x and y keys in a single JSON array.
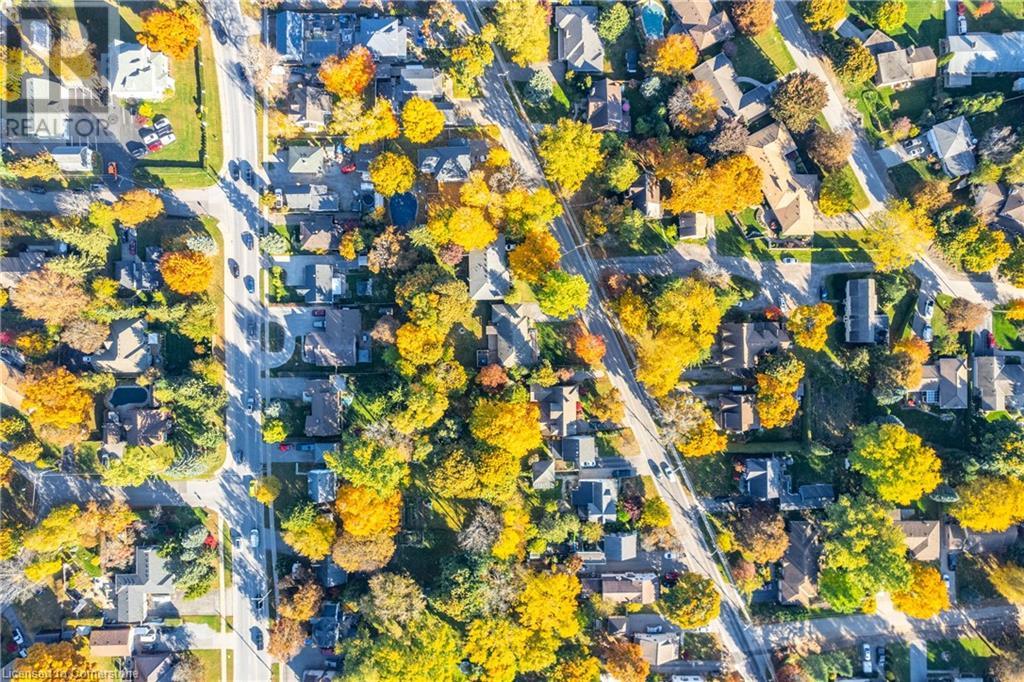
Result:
[
  {"x": 73, "y": 159},
  {"x": 47, "y": 105},
  {"x": 137, "y": 72},
  {"x": 986, "y": 53}
]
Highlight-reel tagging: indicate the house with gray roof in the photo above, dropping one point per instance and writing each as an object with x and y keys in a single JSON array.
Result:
[
  {"x": 311, "y": 198},
  {"x": 336, "y": 345},
  {"x": 579, "y": 46},
  {"x": 309, "y": 106},
  {"x": 559, "y": 409},
  {"x": 943, "y": 384},
  {"x": 324, "y": 418},
  {"x": 447, "y": 164},
  {"x": 607, "y": 109},
  {"x": 489, "y": 277},
  {"x": 740, "y": 344},
  {"x": 736, "y": 413},
  {"x": 322, "y": 283},
  {"x": 317, "y": 233},
  {"x": 74, "y": 159},
  {"x": 1012, "y": 210},
  {"x": 581, "y": 450},
  {"x": 898, "y": 68},
  {"x": 419, "y": 81},
  {"x": 306, "y": 159},
  {"x": 138, "y": 275},
  {"x": 863, "y": 322},
  {"x": 658, "y": 648},
  {"x": 385, "y": 37},
  {"x": 127, "y": 351},
  {"x": 762, "y": 478},
  {"x": 326, "y": 626},
  {"x": 953, "y": 142},
  {"x": 1000, "y": 385},
  {"x": 157, "y": 667},
  {"x": 645, "y": 193},
  {"x": 14, "y": 268},
  {"x": 542, "y": 474},
  {"x": 798, "y": 579},
  {"x": 311, "y": 37},
  {"x": 134, "y": 592},
  {"x": 878, "y": 42},
  {"x": 620, "y": 546},
  {"x": 512, "y": 336},
  {"x": 983, "y": 54},
  {"x": 46, "y": 109},
  {"x": 596, "y": 500},
  {"x": 136, "y": 72},
  {"x": 721, "y": 75},
  {"x": 322, "y": 485}
]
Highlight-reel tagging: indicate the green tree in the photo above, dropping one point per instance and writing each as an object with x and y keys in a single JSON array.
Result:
[
  {"x": 899, "y": 467},
  {"x": 378, "y": 458},
  {"x": 798, "y": 99},
  {"x": 562, "y": 295},
  {"x": 428, "y": 649},
  {"x": 137, "y": 464},
  {"x": 309, "y": 532},
  {"x": 692, "y": 602},
  {"x": 613, "y": 22},
  {"x": 571, "y": 152},
  {"x": 853, "y": 62},
  {"x": 823, "y": 15}
]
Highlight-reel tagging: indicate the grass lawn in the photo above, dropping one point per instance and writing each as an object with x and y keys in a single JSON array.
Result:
[
  {"x": 293, "y": 486},
  {"x": 913, "y": 101},
  {"x": 827, "y": 247},
  {"x": 972, "y": 583},
  {"x": 211, "y": 663},
  {"x": 615, "y": 53},
  {"x": 712, "y": 475},
  {"x": 551, "y": 338},
  {"x": 764, "y": 58},
  {"x": 423, "y": 559},
  {"x": 860, "y": 198},
  {"x": 547, "y": 112},
  {"x": 908, "y": 176},
  {"x": 898, "y": 661},
  {"x": 925, "y": 23},
  {"x": 1007, "y": 16},
  {"x": 969, "y": 655},
  {"x": 1005, "y": 332},
  {"x": 936, "y": 432}
]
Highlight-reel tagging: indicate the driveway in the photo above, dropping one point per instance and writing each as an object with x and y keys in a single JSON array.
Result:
[
  {"x": 295, "y": 266},
  {"x": 918, "y": 660},
  {"x": 297, "y": 321}
]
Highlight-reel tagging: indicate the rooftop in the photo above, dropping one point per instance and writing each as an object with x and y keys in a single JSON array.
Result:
[
  {"x": 126, "y": 351},
  {"x": 385, "y": 37},
  {"x": 578, "y": 43},
  {"x": 983, "y": 54},
  {"x": 489, "y": 277},
  {"x": 132, "y": 591},
  {"x": 336, "y": 344}
]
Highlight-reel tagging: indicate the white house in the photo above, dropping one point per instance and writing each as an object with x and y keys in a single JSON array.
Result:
[{"x": 136, "y": 72}]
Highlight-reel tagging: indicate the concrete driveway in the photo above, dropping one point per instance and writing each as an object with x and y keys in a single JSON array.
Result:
[{"x": 297, "y": 321}]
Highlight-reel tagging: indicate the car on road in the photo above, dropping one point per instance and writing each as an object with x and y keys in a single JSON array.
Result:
[
  {"x": 242, "y": 75},
  {"x": 17, "y": 637},
  {"x": 252, "y": 328},
  {"x": 348, "y": 168},
  {"x": 929, "y": 309},
  {"x": 278, "y": 198},
  {"x": 257, "y": 638},
  {"x": 823, "y": 293},
  {"x": 37, "y": 189},
  {"x": 247, "y": 240},
  {"x": 880, "y": 655},
  {"x": 250, "y": 284},
  {"x": 320, "y": 312},
  {"x": 233, "y": 170},
  {"x": 789, "y": 260},
  {"x": 670, "y": 556},
  {"x": 927, "y": 334},
  {"x": 233, "y": 267},
  {"x": 306, "y": 447},
  {"x": 669, "y": 473},
  {"x": 218, "y": 32},
  {"x": 136, "y": 149},
  {"x": 250, "y": 404},
  {"x": 866, "y": 659},
  {"x": 254, "y": 538},
  {"x": 239, "y": 456},
  {"x": 990, "y": 340},
  {"x": 961, "y": 25},
  {"x": 319, "y": 324},
  {"x": 248, "y": 175}
]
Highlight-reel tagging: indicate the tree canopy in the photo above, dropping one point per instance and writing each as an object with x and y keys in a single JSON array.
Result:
[{"x": 899, "y": 467}]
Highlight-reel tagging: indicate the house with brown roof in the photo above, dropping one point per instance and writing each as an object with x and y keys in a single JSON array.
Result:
[
  {"x": 695, "y": 225},
  {"x": 128, "y": 351},
  {"x": 629, "y": 588},
  {"x": 721, "y": 75},
  {"x": 1013, "y": 208},
  {"x": 736, "y": 413},
  {"x": 788, "y": 194},
  {"x": 645, "y": 194},
  {"x": 336, "y": 345},
  {"x": 147, "y": 427},
  {"x": 559, "y": 409},
  {"x": 740, "y": 344},
  {"x": 999, "y": 385},
  {"x": 607, "y": 109},
  {"x": 11, "y": 380},
  {"x": 798, "y": 582},
  {"x": 317, "y": 233},
  {"x": 110, "y": 642},
  {"x": 699, "y": 19},
  {"x": 309, "y": 107},
  {"x": 325, "y": 405},
  {"x": 157, "y": 667},
  {"x": 901, "y": 68},
  {"x": 943, "y": 384},
  {"x": 923, "y": 538}
]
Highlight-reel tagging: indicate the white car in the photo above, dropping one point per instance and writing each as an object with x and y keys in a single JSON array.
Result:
[
  {"x": 669, "y": 473},
  {"x": 254, "y": 538},
  {"x": 167, "y": 137},
  {"x": 929, "y": 309},
  {"x": 148, "y": 135},
  {"x": 961, "y": 24}
]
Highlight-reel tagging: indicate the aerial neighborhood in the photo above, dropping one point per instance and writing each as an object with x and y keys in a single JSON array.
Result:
[{"x": 668, "y": 340}]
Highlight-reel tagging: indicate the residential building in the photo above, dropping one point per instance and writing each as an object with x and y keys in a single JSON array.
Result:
[
  {"x": 512, "y": 336},
  {"x": 326, "y": 626},
  {"x": 988, "y": 198},
  {"x": 325, "y": 407},
  {"x": 695, "y": 225},
  {"x": 46, "y": 109},
  {"x": 596, "y": 500},
  {"x": 717, "y": 29},
  {"x": 578, "y": 43},
  {"x": 1000, "y": 386},
  {"x": 147, "y": 427},
  {"x": 542, "y": 474},
  {"x": 692, "y": 12},
  {"x": 959, "y": 539},
  {"x": 878, "y": 42},
  {"x": 923, "y": 538},
  {"x": 14, "y": 268},
  {"x": 762, "y": 478},
  {"x": 740, "y": 344},
  {"x": 489, "y": 277},
  {"x": 12, "y": 376},
  {"x": 309, "y": 107},
  {"x": 323, "y": 283},
  {"x": 135, "y": 593},
  {"x": 447, "y": 164},
  {"x": 953, "y": 142},
  {"x": 330, "y": 574},
  {"x": 650, "y": 16},
  {"x": 317, "y": 233},
  {"x": 658, "y": 648},
  {"x": 721, "y": 75},
  {"x": 76, "y": 159},
  {"x": 311, "y": 37},
  {"x": 336, "y": 345},
  {"x": 646, "y": 196},
  {"x": 983, "y": 54},
  {"x": 311, "y": 198},
  {"x": 808, "y": 496},
  {"x": 157, "y": 667},
  {"x": 385, "y": 37},
  {"x": 138, "y": 275},
  {"x": 136, "y": 72},
  {"x": 580, "y": 450},
  {"x": 37, "y": 37},
  {"x": 863, "y": 322},
  {"x": 306, "y": 159},
  {"x": 607, "y": 109},
  {"x": 900, "y": 68},
  {"x": 322, "y": 485},
  {"x": 629, "y": 588},
  {"x": 787, "y": 193},
  {"x": 620, "y": 546},
  {"x": 559, "y": 409},
  {"x": 128, "y": 351},
  {"x": 736, "y": 413},
  {"x": 417, "y": 80},
  {"x": 944, "y": 384},
  {"x": 110, "y": 642},
  {"x": 798, "y": 582},
  {"x": 1012, "y": 210}
]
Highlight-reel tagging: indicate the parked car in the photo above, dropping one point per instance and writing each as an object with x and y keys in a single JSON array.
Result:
[
  {"x": 669, "y": 473},
  {"x": 233, "y": 170},
  {"x": 284, "y": 447},
  {"x": 248, "y": 175},
  {"x": 242, "y": 75},
  {"x": 961, "y": 9},
  {"x": 167, "y": 138},
  {"x": 622, "y": 473},
  {"x": 823, "y": 293},
  {"x": 162, "y": 124},
  {"x": 990, "y": 340},
  {"x": 961, "y": 25},
  {"x": 348, "y": 168},
  {"x": 927, "y": 334},
  {"x": 278, "y": 198},
  {"x": 257, "y": 638},
  {"x": 254, "y": 538},
  {"x": 306, "y": 447},
  {"x": 250, "y": 404},
  {"x": 880, "y": 654},
  {"x": 148, "y": 136},
  {"x": 788, "y": 259},
  {"x": 319, "y": 324},
  {"x": 233, "y": 267},
  {"x": 37, "y": 189},
  {"x": 239, "y": 456},
  {"x": 155, "y": 146},
  {"x": 247, "y": 239},
  {"x": 632, "y": 61},
  {"x": 952, "y": 560},
  {"x": 17, "y": 637},
  {"x": 218, "y": 32},
  {"x": 320, "y": 312},
  {"x": 250, "y": 284},
  {"x": 929, "y": 309},
  {"x": 252, "y": 328},
  {"x": 866, "y": 659},
  {"x": 136, "y": 149}
]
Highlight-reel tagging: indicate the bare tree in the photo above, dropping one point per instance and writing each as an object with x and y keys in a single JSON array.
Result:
[
  {"x": 480, "y": 534},
  {"x": 267, "y": 72},
  {"x": 85, "y": 335}
]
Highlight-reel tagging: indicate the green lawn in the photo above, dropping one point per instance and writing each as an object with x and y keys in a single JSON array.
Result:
[
  {"x": 1007, "y": 16},
  {"x": 764, "y": 58},
  {"x": 913, "y": 101},
  {"x": 898, "y": 661},
  {"x": 211, "y": 663},
  {"x": 711, "y": 475},
  {"x": 1005, "y": 332},
  {"x": 548, "y": 112},
  {"x": 615, "y": 53},
  {"x": 969, "y": 655},
  {"x": 936, "y": 432},
  {"x": 827, "y": 247},
  {"x": 908, "y": 176},
  {"x": 925, "y": 23}
]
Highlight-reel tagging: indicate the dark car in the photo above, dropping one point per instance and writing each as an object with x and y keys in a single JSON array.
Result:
[
  {"x": 155, "y": 146},
  {"x": 137, "y": 149},
  {"x": 632, "y": 61},
  {"x": 219, "y": 32},
  {"x": 242, "y": 75},
  {"x": 252, "y": 328},
  {"x": 823, "y": 293},
  {"x": 247, "y": 240},
  {"x": 320, "y": 312},
  {"x": 233, "y": 267},
  {"x": 257, "y": 638},
  {"x": 233, "y": 170},
  {"x": 239, "y": 456},
  {"x": 37, "y": 189},
  {"x": 248, "y": 175},
  {"x": 250, "y": 284}
]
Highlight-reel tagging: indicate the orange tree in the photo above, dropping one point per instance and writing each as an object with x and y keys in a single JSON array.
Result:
[
  {"x": 673, "y": 55},
  {"x": 173, "y": 32},
  {"x": 186, "y": 272},
  {"x": 56, "y": 399},
  {"x": 348, "y": 76},
  {"x": 137, "y": 206},
  {"x": 927, "y": 595}
]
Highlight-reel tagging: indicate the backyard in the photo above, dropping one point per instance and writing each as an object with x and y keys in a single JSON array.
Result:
[
  {"x": 764, "y": 58},
  {"x": 826, "y": 247},
  {"x": 968, "y": 655},
  {"x": 1007, "y": 336}
]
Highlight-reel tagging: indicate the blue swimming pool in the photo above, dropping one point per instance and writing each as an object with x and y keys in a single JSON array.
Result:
[
  {"x": 652, "y": 19},
  {"x": 403, "y": 210},
  {"x": 128, "y": 395}
]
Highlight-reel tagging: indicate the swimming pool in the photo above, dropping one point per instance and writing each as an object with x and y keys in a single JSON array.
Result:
[
  {"x": 652, "y": 19},
  {"x": 128, "y": 395},
  {"x": 403, "y": 210}
]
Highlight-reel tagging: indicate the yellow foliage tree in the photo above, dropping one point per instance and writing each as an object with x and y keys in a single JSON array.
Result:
[
  {"x": 421, "y": 120},
  {"x": 571, "y": 151},
  {"x": 392, "y": 173},
  {"x": 808, "y": 324},
  {"x": 1015, "y": 310},
  {"x": 897, "y": 235},
  {"x": 365, "y": 513},
  {"x": 466, "y": 226},
  {"x": 15, "y": 63},
  {"x": 538, "y": 255},
  {"x": 58, "y": 661},
  {"x": 511, "y": 541},
  {"x": 777, "y": 382},
  {"x": 989, "y": 503},
  {"x": 899, "y": 467},
  {"x": 548, "y": 602},
  {"x": 265, "y": 489},
  {"x": 348, "y": 76},
  {"x": 703, "y": 439},
  {"x": 693, "y": 107},
  {"x": 376, "y": 124},
  {"x": 419, "y": 345},
  {"x": 673, "y": 55},
  {"x": 57, "y": 399},
  {"x": 510, "y": 426},
  {"x": 42, "y": 166},
  {"x": 136, "y": 206},
  {"x": 523, "y": 29},
  {"x": 494, "y": 644},
  {"x": 926, "y": 597},
  {"x": 186, "y": 272},
  {"x": 918, "y": 351},
  {"x": 173, "y": 32},
  {"x": 633, "y": 314}
]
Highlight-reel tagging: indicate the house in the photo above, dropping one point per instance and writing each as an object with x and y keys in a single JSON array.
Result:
[
  {"x": 147, "y": 427},
  {"x": 134, "y": 593},
  {"x": 309, "y": 107},
  {"x": 127, "y": 351},
  {"x": 736, "y": 413},
  {"x": 336, "y": 345},
  {"x": 716, "y": 30},
  {"x": 983, "y": 54},
  {"x": 953, "y": 142},
  {"x": 898, "y": 68},
  {"x": 944, "y": 384},
  {"x": 325, "y": 405},
  {"x": 322, "y": 485},
  {"x": 1013, "y": 208},
  {"x": 385, "y": 37},
  {"x": 658, "y": 648},
  {"x": 153, "y": 667},
  {"x": 651, "y": 16},
  {"x": 607, "y": 110},
  {"x": 578, "y": 43},
  {"x": 959, "y": 539},
  {"x": 447, "y": 164},
  {"x": 330, "y": 574},
  {"x": 37, "y": 36},
  {"x": 1000, "y": 386},
  {"x": 559, "y": 409},
  {"x": 692, "y": 12},
  {"x": 110, "y": 642},
  {"x": 741, "y": 343},
  {"x": 12, "y": 377},
  {"x": 721, "y": 75},
  {"x": 138, "y": 275},
  {"x": 14, "y": 268},
  {"x": 878, "y": 42},
  {"x": 798, "y": 581},
  {"x": 311, "y": 37},
  {"x": 988, "y": 198},
  {"x": 629, "y": 588},
  {"x": 808, "y": 496},
  {"x": 136, "y": 72},
  {"x": 311, "y": 198},
  {"x": 788, "y": 194},
  {"x": 620, "y": 546},
  {"x": 580, "y": 450},
  {"x": 695, "y": 225},
  {"x": 543, "y": 474},
  {"x": 596, "y": 500},
  {"x": 512, "y": 336},
  {"x": 419, "y": 81},
  {"x": 646, "y": 196},
  {"x": 46, "y": 108},
  {"x": 923, "y": 538},
  {"x": 323, "y": 284},
  {"x": 489, "y": 277},
  {"x": 762, "y": 478},
  {"x": 306, "y": 160},
  {"x": 76, "y": 159},
  {"x": 317, "y": 233},
  {"x": 326, "y": 626},
  {"x": 863, "y": 322}
]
